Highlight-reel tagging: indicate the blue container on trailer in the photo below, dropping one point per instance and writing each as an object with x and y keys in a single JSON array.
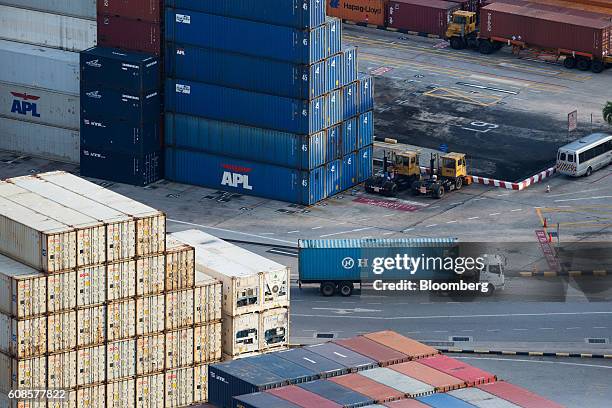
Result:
[
  {"x": 348, "y": 358},
  {"x": 337, "y": 393},
  {"x": 349, "y": 65},
  {"x": 246, "y": 72},
  {"x": 121, "y": 136},
  {"x": 138, "y": 169},
  {"x": 245, "y": 176},
  {"x": 294, "y": 373},
  {"x": 334, "y": 145},
  {"x": 444, "y": 401},
  {"x": 366, "y": 93},
  {"x": 333, "y": 72},
  {"x": 335, "y": 110},
  {"x": 364, "y": 163},
  {"x": 349, "y": 171},
  {"x": 349, "y": 135},
  {"x": 351, "y": 97},
  {"x": 304, "y": 152},
  {"x": 261, "y": 400},
  {"x": 365, "y": 132},
  {"x": 246, "y": 37},
  {"x": 134, "y": 72},
  {"x": 333, "y": 175},
  {"x": 298, "y": 14},
  {"x": 324, "y": 366},
  {"x": 246, "y": 107},
  {"x": 333, "y": 35},
  {"x": 101, "y": 102}
]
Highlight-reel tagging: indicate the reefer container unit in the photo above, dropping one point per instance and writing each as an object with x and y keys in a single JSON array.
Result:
[
  {"x": 240, "y": 335},
  {"x": 470, "y": 374},
  {"x": 383, "y": 355},
  {"x": 348, "y": 358},
  {"x": 147, "y": 10},
  {"x": 120, "y": 394},
  {"x": 359, "y": 11},
  {"x": 444, "y": 401},
  {"x": 246, "y": 37},
  {"x": 102, "y": 101},
  {"x": 133, "y": 72},
  {"x": 261, "y": 400},
  {"x": 179, "y": 387},
  {"x": 403, "y": 344},
  {"x": 23, "y": 290},
  {"x": 246, "y": 107},
  {"x": 313, "y": 361},
  {"x": 80, "y": 9},
  {"x": 22, "y": 374},
  {"x": 294, "y": 373},
  {"x": 517, "y": 395},
  {"x": 422, "y": 16},
  {"x": 297, "y": 14},
  {"x": 150, "y": 391},
  {"x": 106, "y": 134},
  {"x": 129, "y": 34},
  {"x": 304, "y": 152},
  {"x": 136, "y": 169},
  {"x": 408, "y": 385},
  {"x": 23, "y": 338},
  {"x": 364, "y": 163},
  {"x": 245, "y": 71},
  {"x": 39, "y": 67},
  {"x": 349, "y": 65},
  {"x": 46, "y": 29},
  {"x": 380, "y": 393},
  {"x": 245, "y": 177},
  {"x": 440, "y": 381},
  {"x": 302, "y": 397},
  {"x": 366, "y": 93},
  {"x": 480, "y": 398},
  {"x": 273, "y": 328},
  {"x": 337, "y": 393}
]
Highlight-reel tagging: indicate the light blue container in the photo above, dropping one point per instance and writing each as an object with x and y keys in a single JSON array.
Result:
[
  {"x": 350, "y": 171},
  {"x": 366, "y": 93},
  {"x": 333, "y": 72},
  {"x": 349, "y": 135},
  {"x": 349, "y": 65},
  {"x": 334, "y": 137},
  {"x": 333, "y": 35},
  {"x": 333, "y": 172},
  {"x": 351, "y": 98},
  {"x": 335, "y": 107},
  {"x": 364, "y": 163},
  {"x": 365, "y": 133}
]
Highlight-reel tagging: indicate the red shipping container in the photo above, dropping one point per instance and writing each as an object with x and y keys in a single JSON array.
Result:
[
  {"x": 470, "y": 374},
  {"x": 370, "y": 388},
  {"x": 146, "y": 10},
  {"x": 376, "y": 351},
  {"x": 518, "y": 395},
  {"x": 302, "y": 397},
  {"x": 422, "y": 16},
  {"x": 129, "y": 34}
]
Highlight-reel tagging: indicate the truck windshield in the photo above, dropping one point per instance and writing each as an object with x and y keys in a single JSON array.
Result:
[{"x": 496, "y": 269}]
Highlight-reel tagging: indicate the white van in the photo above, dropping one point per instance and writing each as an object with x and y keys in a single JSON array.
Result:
[{"x": 584, "y": 156}]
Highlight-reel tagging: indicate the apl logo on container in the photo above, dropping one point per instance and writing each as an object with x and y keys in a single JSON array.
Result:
[
  {"x": 235, "y": 176},
  {"x": 22, "y": 104}
]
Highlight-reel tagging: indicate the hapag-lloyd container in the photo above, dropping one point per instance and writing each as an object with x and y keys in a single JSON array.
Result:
[
  {"x": 80, "y": 9},
  {"x": 333, "y": 35},
  {"x": 179, "y": 309},
  {"x": 246, "y": 107},
  {"x": 333, "y": 72},
  {"x": 22, "y": 374},
  {"x": 337, "y": 393},
  {"x": 92, "y": 325},
  {"x": 101, "y": 101},
  {"x": 351, "y": 100},
  {"x": 91, "y": 365},
  {"x": 517, "y": 395},
  {"x": 208, "y": 299},
  {"x": 150, "y": 314},
  {"x": 383, "y": 355},
  {"x": 349, "y": 172},
  {"x": 470, "y": 374},
  {"x": 240, "y": 334},
  {"x": 366, "y": 93},
  {"x": 440, "y": 381},
  {"x": 365, "y": 131},
  {"x": 348, "y": 358},
  {"x": 245, "y": 142},
  {"x": 246, "y": 37},
  {"x": 480, "y": 398},
  {"x": 261, "y": 400},
  {"x": 333, "y": 172},
  {"x": 179, "y": 387},
  {"x": 150, "y": 354},
  {"x": 411, "y": 387},
  {"x": 23, "y": 290},
  {"x": 380, "y": 393},
  {"x": 129, "y": 34},
  {"x": 245, "y": 72},
  {"x": 302, "y": 397},
  {"x": 46, "y": 29},
  {"x": 411, "y": 348},
  {"x": 273, "y": 328},
  {"x": 349, "y": 135},
  {"x": 121, "y": 280},
  {"x": 121, "y": 394},
  {"x": 422, "y": 16},
  {"x": 359, "y": 11},
  {"x": 349, "y": 65},
  {"x": 150, "y": 391},
  {"x": 62, "y": 370},
  {"x": 180, "y": 265},
  {"x": 147, "y": 10},
  {"x": 150, "y": 275},
  {"x": 121, "y": 359}
]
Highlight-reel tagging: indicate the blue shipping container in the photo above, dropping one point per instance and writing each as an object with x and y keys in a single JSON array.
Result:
[
  {"x": 129, "y": 168},
  {"x": 246, "y": 37},
  {"x": 334, "y": 135},
  {"x": 364, "y": 163},
  {"x": 366, "y": 93},
  {"x": 246, "y": 72},
  {"x": 134, "y": 72},
  {"x": 349, "y": 65},
  {"x": 344, "y": 356},
  {"x": 444, "y": 401},
  {"x": 365, "y": 133},
  {"x": 297, "y": 13},
  {"x": 333, "y": 173},
  {"x": 120, "y": 136},
  {"x": 245, "y": 107},
  {"x": 245, "y": 176},
  {"x": 349, "y": 135},
  {"x": 349, "y": 171},
  {"x": 333, "y": 72},
  {"x": 337, "y": 393},
  {"x": 294, "y": 373},
  {"x": 351, "y": 96},
  {"x": 325, "y": 367},
  {"x": 261, "y": 400},
  {"x": 304, "y": 152},
  {"x": 333, "y": 35},
  {"x": 334, "y": 107},
  {"x": 103, "y": 102}
]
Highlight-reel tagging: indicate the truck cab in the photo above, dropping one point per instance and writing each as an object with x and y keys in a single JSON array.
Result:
[
  {"x": 462, "y": 29},
  {"x": 493, "y": 273}
]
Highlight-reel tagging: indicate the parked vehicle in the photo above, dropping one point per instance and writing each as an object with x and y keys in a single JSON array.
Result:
[{"x": 584, "y": 156}]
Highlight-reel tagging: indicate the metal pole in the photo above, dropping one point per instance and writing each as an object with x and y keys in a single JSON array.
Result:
[{"x": 558, "y": 238}]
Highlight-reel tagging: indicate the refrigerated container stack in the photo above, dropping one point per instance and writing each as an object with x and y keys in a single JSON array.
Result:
[
  {"x": 96, "y": 301},
  {"x": 262, "y": 99}
]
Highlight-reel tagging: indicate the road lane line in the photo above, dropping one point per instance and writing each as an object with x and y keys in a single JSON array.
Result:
[
  {"x": 534, "y": 361},
  {"x": 451, "y": 222},
  {"x": 490, "y": 215},
  {"x": 293, "y": 232},
  {"x": 582, "y": 198},
  {"x": 228, "y": 230},
  {"x": 431, "y": 225},
  {"x": 470, "y": 316},
  {"x": 316, "y": 228},
  {"x": 516, "y": 209},
  {"x": 473, "y": 218}
]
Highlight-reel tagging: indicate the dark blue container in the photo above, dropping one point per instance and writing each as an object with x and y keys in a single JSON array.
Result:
[
  {"x": 337, "y": 393},
  {"x": 133, "y": 72},
  {"x": 349, "y": 135},
  {"x": 304, "y": 152},
  {"x": 342, "y": 355},
  {"x": 365, "y": 133},
  {"x": 325, "y": 367},
  {"x": 261, "y": 400},
  {"x": 104, "y": 102},
  {"x": 351, "y": 97},
  {"x": 245, "y": 107},
  {"x": 333, "y": 35},
  {"x": 349, "y": 171},
  {"x": 297, "y": 13},
  {"x": 334, "y": 146},
  {"x": 245, "y": 176},
  {"x": 349, "y": 65},
  {"x": 120, "y": 136},
  {"x": 128, "y": 168},
  {"x": 246, "y": 72},
  {"x": 333, "y": 72},
  {"x": 246, "y": 37},
  {"x": 294, "y": 373},
  {"x": 444, "y": 401},
  {"x": 333, "y": 173},
  {"x": 335, "y": 103},
  {"x": 364, "y": 163},
  {"x": 237, "y": 377},
  {"x": 366, "y": 93}
]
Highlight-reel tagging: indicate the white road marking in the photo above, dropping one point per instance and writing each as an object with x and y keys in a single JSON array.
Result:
[
  {"x": 494, "y": 214},
  {"x": 389, "y": 233},
  {"x": 228, "y": 230},
  {"x": 440, "y": 331},
  {"x": 341, "y": 310},
  {"x": 516, "y": 209},
  {"x": 502, "y": 195},
  {"x": 345, "y": 232},
  {"x": 473, "y": 218},
  {"x": 479, "y": 198},
  {"x": 431, "y": 225},
  {"x": 266, "y": 233},
  {"x": 467, "y": 331},
  {"x": 363, "y": 219},
  {"x": 600, "y": 327},
  {"x": 451, "y": 222},
  {"x": 316, "y": 228},
  {"x": 435, "y": 206},
  {"x": 583, "y": 198},
  {"x": 520, "y": 329},
  {"x": 534, "y": 361},
  {"x": 572, "y": 328},
  {"x": 388, "y": 215},
  {"x": 408, "y": 229},
  {"x": 293, "y": 232},
  {"x": 577, "y": 192},
  {"x": 546, "y": 328},
  {"x": 492, "y": 330},
  {"x": 456, "y": 203},
  {"x": 470, "y": 316}
]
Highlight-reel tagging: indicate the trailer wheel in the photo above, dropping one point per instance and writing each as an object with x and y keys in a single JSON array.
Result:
[
  {"x": 346, "y": 289},
  {"x": 458, "y": 183},
  {"x": 328, "y": 289},
  {"x": 569, "y": 63},
  {"x": 490, "y": 290},
  {"x": 438, "y": 191},
  {"x": 390, "y": 189},
  {"x": 457, "y": 43},
  {"x": 485, "y": 47},
  {"x": 583, "y": 64},
  {"x": 597, "y": 67}
]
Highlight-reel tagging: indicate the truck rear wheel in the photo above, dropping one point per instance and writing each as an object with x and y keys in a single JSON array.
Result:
[
  {"x": 485, "y": 47},
  {"x": 490, "y": 290},
  {"x": 597, "y": 67},
  {"x": 346, "y": 289},
  {"x": 457, "y": 43},
  {"x": 569, "y": 62},
  {"x": 328, "y": 288},
  {"x": 583, "y": 64},
  {"x": 438, "y": 191},
  {"x": 458, "y": 183}
]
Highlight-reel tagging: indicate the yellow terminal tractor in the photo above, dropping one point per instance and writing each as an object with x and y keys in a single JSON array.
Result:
[
  {"x": 448, "y": 172},
  {"x": 400, "y": 170}
]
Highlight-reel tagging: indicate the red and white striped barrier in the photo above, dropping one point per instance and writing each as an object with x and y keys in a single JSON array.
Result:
[{"x": 515, "y": 186}]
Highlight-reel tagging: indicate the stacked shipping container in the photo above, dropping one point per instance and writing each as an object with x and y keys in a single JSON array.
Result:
[
  {"x": 262, "y": 99},
  {"x": 99, "y": 304}
]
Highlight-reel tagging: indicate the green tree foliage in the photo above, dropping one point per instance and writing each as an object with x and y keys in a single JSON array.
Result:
[{"x": 607, "y": 112}]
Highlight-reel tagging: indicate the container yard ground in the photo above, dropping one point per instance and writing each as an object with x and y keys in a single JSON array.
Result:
[{"x": 508, "y": 115}]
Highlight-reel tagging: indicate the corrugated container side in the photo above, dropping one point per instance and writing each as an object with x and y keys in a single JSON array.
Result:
[
  {"x": 351, "y": 99},
  {"x": 260, "y": 400},
  {"x": 92, "y": 397},
  {"x": 62, "y": 331},
  {"x": 407, "y": 403},
  {"x": 349, "y": 173},
  {"x": 423, "y": 16},
  {"x": 150, "y": 391},
  {"x": 349, "y": 136},
  {"x": 444, "y": 401},
  {"x": 69, "y": 401},
  {"x": 440, "y": 381},
  {"x": 200, "y": 383},
  {"x": 349, "y": 65},
  {"x": 179, "y": 348},
  {"x": 376, "y": 351},
  {"x": 333, "y": 72},
  {"x": 130, "y": 168},
  {"x": 179, "y": 387},
  {"x": 348, "y": 358},
  {"x": 302, "y": 397},
  {"x": 207, "y": 300},
  {"x": 121, "y": 280},
  {"x": 275, "y": 288},
  {"x": 292, "y": 372},
  {"x": 92, "y": 325},
  {"x": 207, "y": 343},
  {"x": 333, "y": 173},
  {"x": 470, "y": 374},
  {"x": 334, "y": 134},
  {"x": 23, "y": 290},
  {"x": 380, "y": 393},
  {"x": 91, "y": 365},
  {"x": 364, "y": 162},
  {"x": 314, "y": 362},
  {"x": 359, "y": 11},
  {"x": 128, "y": 34},
  {"x": 180, "y": 266},
  {"x": 23, "y": 338},
  {"x": 365, "y": 132},
  {"x": 333, "y": 35},
  {"x": 91, "y": 285},
  {"x": 517, "y": 395},
  {"x": 480, "y": 398},
  {"x": 109, "y": 134},
  {"x": 62, "y": 370},
  {"x": 407, "y": 385},
  {"x": 240, "y": 334},
  {"x": 403, "y": 344},
  {"x": 179, "y": 309},
  {"x": 150, "y": 314},
  {"x": 80, "y": 9},
  {"x": 337, "y": 393},
  {"x": 61, "y": 290},
  {"x": 22, "y": 374},
  {"x": 100, "y": 101},
  {"x": 150, "y": 275},
  {"x": 366, "y": 93},
  {"x": 120, "y": 359},
  {"x": 120, "y": 394},
  {"x": 121, "y": 320},
  {"x": 273, "y": 328},
  {"x": 334, "y": 107},
  {"x": 46, "y": 29},
  {"x": 150, "y": 354},
  {"x": 147, "y": 10}
]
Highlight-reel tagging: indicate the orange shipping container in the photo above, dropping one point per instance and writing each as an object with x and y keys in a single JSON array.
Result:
[
  {"x": 360, "y": 11},
  {"x": 440, "y": 381},
  {"x": 409, "y": 347}
]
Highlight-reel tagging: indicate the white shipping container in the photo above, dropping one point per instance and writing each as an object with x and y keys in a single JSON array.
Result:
[
  {"x": 48, "y": 30},
  {"x": 150, "y": 275},
  {"x": 150, "y": 314},
  {"x": 121, "y": 280},
  {"x": 37, "y": 105},
  {"x": 61, "y": 291},
  {"x": 120, "y": 394},
  {"x": 200, "y": 383},
  {"x": 62, "y": 329},
  {"x": 180, "y": 265},
  {"x": 92, "y": 325},
  {"x": 240, "y": 334},
  {"x": 179, "y": 387},
  {"x": 207, "y": 299},
  {"x": 179, "y": 348},
  {"x": 92, "y": 397},
  {"x": 276, "y": 288},
  {"x": 23, "y": 290},
  {"x": 62, "y": 370},
  {"x": 121, "y": 320},
  {"x": 273, "y": 328},
  {"x": 81, "y": 8},
  {"x": 6, "y": 402},
  {"x": 207, "y": 343},
  {"x": 91, "y": 285},
  {"x": 23, "y": 338},
  {"x": 40, "y": 67},
  {"x": 150, "y": 354},
  {"x": 22, "y": 374},
  {"x": 150, "y": 391},
  {"x": 35, "y": 239},
  {"x": 121, "y": 359},
  {"x": 179, "y": 309},
  {"x": 91, "y": 365},
  {"x": 70, "y": 400}
]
